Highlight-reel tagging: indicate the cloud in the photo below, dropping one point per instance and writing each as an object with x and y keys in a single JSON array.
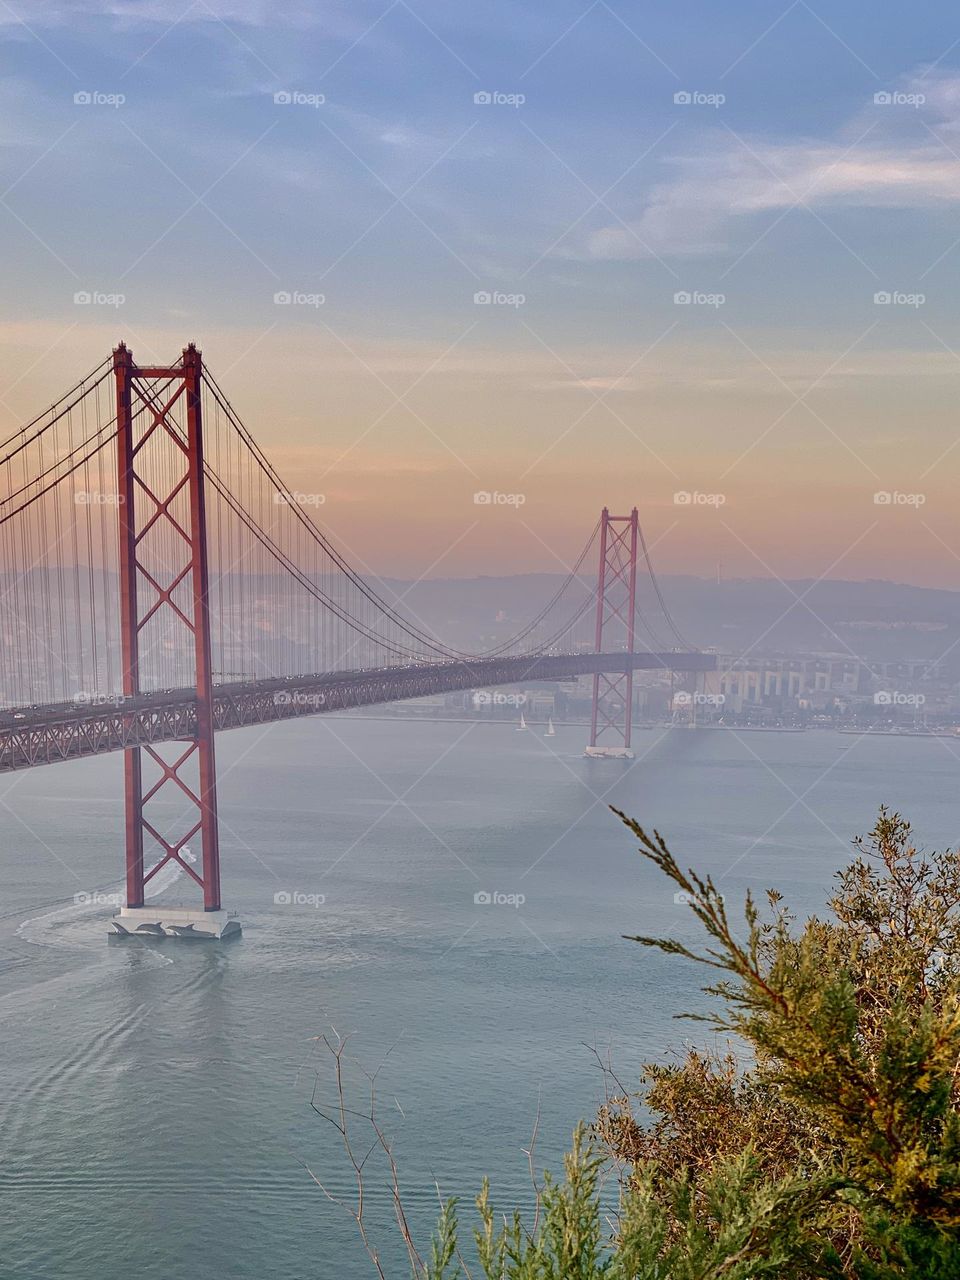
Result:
[
  {"x": 596, "y": 383},
  {"x": 887, "y": 157},
  {"x": 258, "y": 13}
]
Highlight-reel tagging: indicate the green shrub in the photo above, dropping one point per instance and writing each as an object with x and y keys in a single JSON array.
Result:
[{"x": 834, "y": 1151}]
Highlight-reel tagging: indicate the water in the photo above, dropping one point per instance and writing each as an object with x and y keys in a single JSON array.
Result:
[{"x": 157, "y": 1114}]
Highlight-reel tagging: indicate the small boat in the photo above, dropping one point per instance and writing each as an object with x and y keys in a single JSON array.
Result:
[
  {"x": 551, "y": 731},
  {"x": 522, "y": 724}
]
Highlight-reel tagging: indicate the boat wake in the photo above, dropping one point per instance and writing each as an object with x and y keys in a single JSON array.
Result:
[{"x": 68, "y": 926}]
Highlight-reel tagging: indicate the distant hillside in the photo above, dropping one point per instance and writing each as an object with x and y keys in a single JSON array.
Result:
[{"x": 874, "y": 619}]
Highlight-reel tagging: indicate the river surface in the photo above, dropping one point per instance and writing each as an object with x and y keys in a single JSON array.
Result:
[{"x": 161, "y": 1103}]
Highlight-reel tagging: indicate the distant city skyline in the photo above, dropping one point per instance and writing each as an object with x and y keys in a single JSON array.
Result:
[{"x": 579, "y": 255}]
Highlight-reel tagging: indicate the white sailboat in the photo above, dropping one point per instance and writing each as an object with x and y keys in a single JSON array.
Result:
[
  {"x": 523, "y": 724},
  {"x": 551, "y": 731}
]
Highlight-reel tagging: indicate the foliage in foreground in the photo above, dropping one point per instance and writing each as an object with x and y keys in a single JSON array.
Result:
[{"x": 834, "y": 1153}]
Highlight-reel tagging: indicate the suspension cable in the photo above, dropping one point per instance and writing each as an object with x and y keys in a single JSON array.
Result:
[{"x": 371, "y": 594}]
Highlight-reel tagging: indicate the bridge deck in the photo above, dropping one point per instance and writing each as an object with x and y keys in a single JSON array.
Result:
[{"x": 47, "y": 735}]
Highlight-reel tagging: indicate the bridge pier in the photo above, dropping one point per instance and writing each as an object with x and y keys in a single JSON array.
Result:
[{"x": 190, "y": 923}]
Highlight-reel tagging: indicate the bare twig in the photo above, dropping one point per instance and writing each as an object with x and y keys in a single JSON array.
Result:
[
  {"x": 529, "y": 1153},
  {"x": 344, "y": 1119}
]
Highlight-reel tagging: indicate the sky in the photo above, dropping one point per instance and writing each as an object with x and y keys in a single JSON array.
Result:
[{"x": 702, "y": 259}]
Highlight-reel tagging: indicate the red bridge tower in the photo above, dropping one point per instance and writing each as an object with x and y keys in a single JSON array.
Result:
[
  {"x": 612, "y": 715},
  {"x": 160, "y": 489}
]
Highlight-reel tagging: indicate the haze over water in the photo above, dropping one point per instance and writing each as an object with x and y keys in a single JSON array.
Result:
[{"x": 157, "y": 1116}]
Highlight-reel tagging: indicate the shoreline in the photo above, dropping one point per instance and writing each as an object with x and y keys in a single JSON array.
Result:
[{"x": 648, "y": 727}]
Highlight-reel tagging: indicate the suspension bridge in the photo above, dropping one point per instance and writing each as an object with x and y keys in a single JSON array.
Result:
[{"x": 160, "y": 584}]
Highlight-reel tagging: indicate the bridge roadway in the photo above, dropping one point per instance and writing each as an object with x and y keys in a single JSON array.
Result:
[{"x": 37, "y": 735}]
